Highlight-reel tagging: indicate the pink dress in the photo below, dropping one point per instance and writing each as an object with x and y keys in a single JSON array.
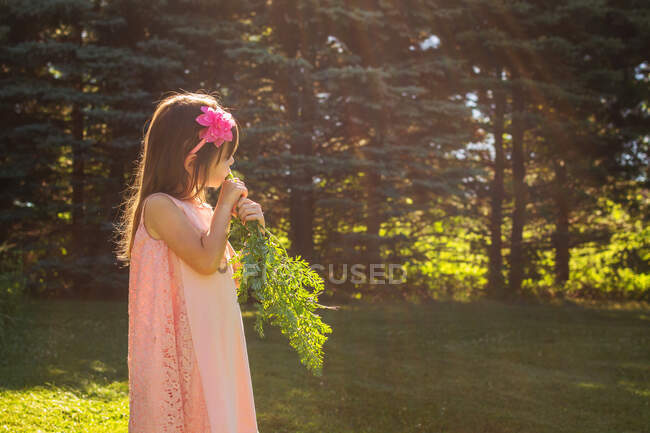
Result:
[{"x": 187, "y": 358}]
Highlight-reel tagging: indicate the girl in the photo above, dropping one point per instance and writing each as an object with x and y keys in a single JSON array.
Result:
[{"x": 187, "y": 358}]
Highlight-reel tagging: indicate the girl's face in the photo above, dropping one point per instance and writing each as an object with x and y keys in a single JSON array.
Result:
[{"x": 219, "y": 171}]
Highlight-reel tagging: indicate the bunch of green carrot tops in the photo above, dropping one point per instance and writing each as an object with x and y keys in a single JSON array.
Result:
[{"x": 279, "y": 283}]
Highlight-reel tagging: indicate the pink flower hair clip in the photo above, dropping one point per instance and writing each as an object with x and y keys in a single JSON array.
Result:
[{"x": 218, "y": 125}]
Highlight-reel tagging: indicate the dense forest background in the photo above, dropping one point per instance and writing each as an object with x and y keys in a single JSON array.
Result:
[{"x": 491, "y": 148}]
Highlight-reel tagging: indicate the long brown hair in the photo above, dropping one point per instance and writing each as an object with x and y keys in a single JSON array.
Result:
[{"x": 172, "y": 132}]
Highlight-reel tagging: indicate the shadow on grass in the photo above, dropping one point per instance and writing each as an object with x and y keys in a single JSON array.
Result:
[
  {"x": 439, "y": 366},
  {"x": 69, "y": 344}
]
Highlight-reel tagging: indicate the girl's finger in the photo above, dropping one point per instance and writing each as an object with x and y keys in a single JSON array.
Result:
[
  {"x": 245, "y": 213},
  {"x": 242, "y": 204},
  {"x": 255, "y": 215},
  {"x": 252, "y": 214},
  {"x": 251, "y": 206},
  {"x": 257, "y": 218},
  {"x": 243, "y": 210}
]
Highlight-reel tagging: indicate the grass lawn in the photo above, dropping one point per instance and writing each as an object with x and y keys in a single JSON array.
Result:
[{"x": 443, "y": 367}]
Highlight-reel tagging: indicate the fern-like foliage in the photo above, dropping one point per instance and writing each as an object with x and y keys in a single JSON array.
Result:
[{"x": 279, "y": 283}]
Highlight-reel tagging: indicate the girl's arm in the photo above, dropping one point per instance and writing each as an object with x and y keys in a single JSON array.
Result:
[{"x": 203, "y": 252}]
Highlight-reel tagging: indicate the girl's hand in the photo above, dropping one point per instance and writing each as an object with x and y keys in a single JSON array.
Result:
[
  {"x": 248, "y": 210},
  {"x": 232, "y": 190}
]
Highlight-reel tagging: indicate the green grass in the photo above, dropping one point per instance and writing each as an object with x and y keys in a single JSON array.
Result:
[{"x": 445, "y": 367}]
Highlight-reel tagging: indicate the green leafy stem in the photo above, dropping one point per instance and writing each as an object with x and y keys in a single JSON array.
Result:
[{"x": 279, "y": 283}]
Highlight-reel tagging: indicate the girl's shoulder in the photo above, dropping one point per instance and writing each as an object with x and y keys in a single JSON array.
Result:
[
  {"x": 184, "y": 204},
  {"x": 145, "y": 215},
  {"x": 163, "y": 194},
  {"x": 197, "y": 211},
  {"x": 192, "y": 208}
]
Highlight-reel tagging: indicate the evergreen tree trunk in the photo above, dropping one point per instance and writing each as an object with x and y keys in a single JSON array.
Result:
[
  {"x": 78, "y": 221},
  {"x": 301, "y": 198},
  {"x": 373, "y": 219},
  {"x": 519, "y": 188},
  {"x": 374, "y": 198},
  {"x": 561, "y": 236},
  {"x": 495, "y": 265},
  {"x": 379, "y": 121}
]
